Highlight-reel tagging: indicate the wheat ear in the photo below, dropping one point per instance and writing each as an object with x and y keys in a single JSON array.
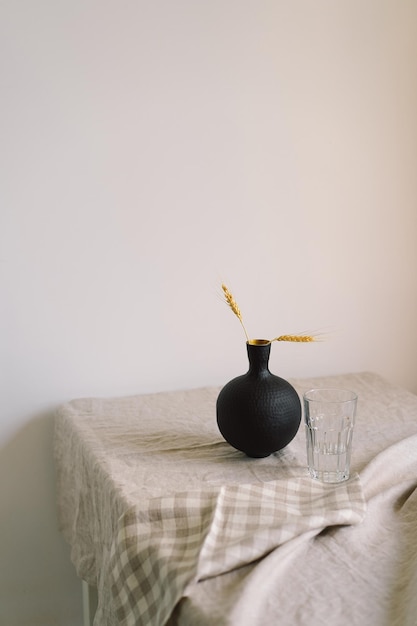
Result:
[
  {"x": 304, "y": 338},
  {"x": 233, "y": 305}
]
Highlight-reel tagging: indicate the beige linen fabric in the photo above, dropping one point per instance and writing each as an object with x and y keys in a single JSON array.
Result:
[
  {"x": 191, "y": 536},
  {"x": 365, "y": 574},
  {"x": 116, "y": 457}
]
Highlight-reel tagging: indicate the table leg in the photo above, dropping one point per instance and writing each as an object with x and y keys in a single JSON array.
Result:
[{"x": 89, "y": 596}]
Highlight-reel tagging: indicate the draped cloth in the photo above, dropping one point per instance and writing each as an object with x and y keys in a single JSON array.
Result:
[
  {"x": 174, "y": 526},
  {"x": 194, "y": 535}
]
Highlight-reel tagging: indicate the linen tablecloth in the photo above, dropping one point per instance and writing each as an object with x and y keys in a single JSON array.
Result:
[
  {"x": 174, "y": 526},
  {"x": 190, "y": 536}
]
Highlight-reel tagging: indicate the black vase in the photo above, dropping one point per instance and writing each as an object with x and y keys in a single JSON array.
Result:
[{"x": 258, "y": 413}]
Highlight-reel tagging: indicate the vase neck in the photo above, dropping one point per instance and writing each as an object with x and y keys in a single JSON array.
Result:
[{"x": 258, "y": 355}]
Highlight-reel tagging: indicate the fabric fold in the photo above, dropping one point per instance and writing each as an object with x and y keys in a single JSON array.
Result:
[{"x": 175, "y": 540}]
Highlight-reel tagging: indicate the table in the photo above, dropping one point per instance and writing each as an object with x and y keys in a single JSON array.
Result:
[{"x": 121, "y": 461}]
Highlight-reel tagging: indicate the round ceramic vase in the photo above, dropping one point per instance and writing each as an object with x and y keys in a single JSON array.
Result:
[{"x": 258, "y": 413}]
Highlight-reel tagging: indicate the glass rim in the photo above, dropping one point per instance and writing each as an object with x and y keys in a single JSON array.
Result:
[{"x": 349, "y": 395}]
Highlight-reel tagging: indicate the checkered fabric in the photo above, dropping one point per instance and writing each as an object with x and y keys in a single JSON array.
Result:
[{"x": 189, "y": 536}]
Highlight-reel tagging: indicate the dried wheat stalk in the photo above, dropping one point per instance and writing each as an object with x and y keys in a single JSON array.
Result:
[
  {"x": 304, "y": 338},
  {"x": 234, "y": 306}
]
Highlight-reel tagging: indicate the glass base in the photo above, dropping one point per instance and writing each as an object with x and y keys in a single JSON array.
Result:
[{"x": 329, "y": 477}]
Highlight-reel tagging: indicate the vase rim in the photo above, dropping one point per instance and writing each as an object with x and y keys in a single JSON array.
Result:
[{"x": 258, "y": 342}]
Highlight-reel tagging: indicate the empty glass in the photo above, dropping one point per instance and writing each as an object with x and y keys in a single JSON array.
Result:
[{"x": 329, "y": 416}]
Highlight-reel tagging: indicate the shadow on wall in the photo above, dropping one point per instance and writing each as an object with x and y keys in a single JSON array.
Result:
[{"x": 37, "y": 581}]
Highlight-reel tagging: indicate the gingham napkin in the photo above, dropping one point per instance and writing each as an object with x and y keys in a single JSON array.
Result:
[{"x": 174, "y": 540}]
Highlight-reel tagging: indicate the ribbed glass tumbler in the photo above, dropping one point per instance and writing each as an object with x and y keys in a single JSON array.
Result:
[{"x": 329, "y": 417}]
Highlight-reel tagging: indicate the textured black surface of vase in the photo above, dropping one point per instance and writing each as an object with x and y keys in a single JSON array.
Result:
[{"x": 258, "y": 413}]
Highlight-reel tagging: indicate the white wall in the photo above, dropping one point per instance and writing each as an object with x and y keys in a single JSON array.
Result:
[{"x": 150, "y": 150}]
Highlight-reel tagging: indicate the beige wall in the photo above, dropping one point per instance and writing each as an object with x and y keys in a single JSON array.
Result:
[{"x": 151, "y": 150}]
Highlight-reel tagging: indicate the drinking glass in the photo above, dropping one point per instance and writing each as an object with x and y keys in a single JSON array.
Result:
[{"x": 329, "y": 417}]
